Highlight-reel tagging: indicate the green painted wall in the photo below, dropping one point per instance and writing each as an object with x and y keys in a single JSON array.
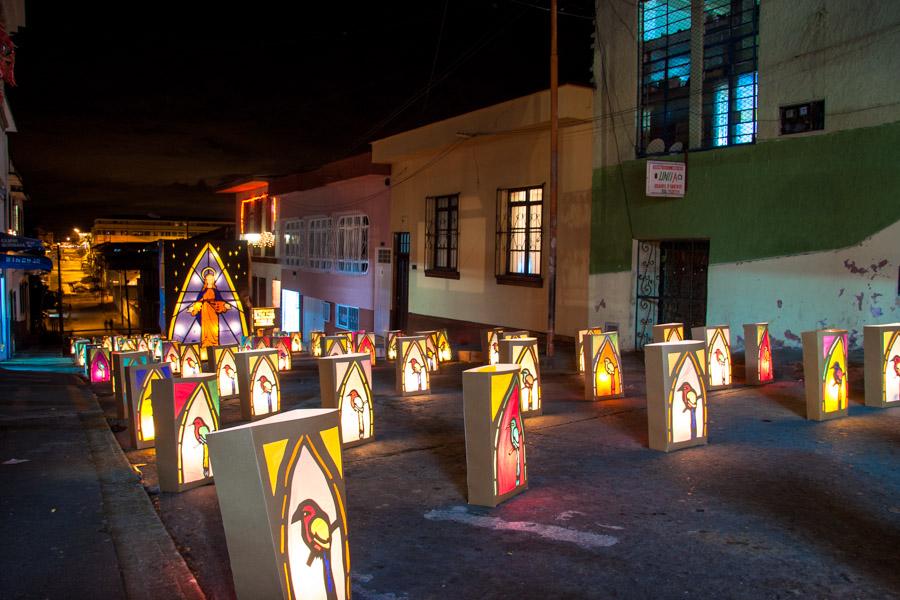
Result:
[{"x": 771, "y": 199}]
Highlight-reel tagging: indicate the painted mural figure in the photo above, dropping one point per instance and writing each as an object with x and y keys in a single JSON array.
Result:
[
  {"x": 209, "y": 305},
  {"x": 689, "y": 399},
  {"x": 266, "y": 387},
  {"x": 515, "y": 440},
  {"x": 317, "y": 531},
  {"x": 359, "y": 405},
  {"x": 201, "y": 430}
]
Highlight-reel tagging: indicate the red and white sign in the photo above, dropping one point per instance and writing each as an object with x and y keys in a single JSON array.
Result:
[{"x": 666, "y": 179}]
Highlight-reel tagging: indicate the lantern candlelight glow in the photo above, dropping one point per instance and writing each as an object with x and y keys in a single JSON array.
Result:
[
  {"x": 296, "y": 341},
  {"x": 413, "y": 376},
  {"x": 345, "y": 384},
  {"x": 490, "y": 345},
  {"x": 282, "y": 343},
  {"x": 668, "y": 332},
  {"x": 432, "y": 361},
  {"x": 881, "y": 344},
  {"x": 190, "y": 363},
  {"x": 524, "y": 353},
  {"x": 603, "y": 375},
  {"x": 259, "y": 387},
  {"x": 121, "y": 360},
  {"x": 758, "y": 354},
  {"x": 676, "y": 394},
  {"x": 220, "y": 360},
  {"x": 579, "y": 346},
  {"x": 364, "y": 342},
  {"x": 99, "y": 367},
  {"x": 390, "y": 344},
  {"x": 825, "y": 373},
  {"x": 334, "y": 345},
  {"x": 718, "y": 354},
  {"x": 315, "y": 342},
  {"x": 140, "y": 401},
  {"x": 444, "y": 351},
  {"x": 171, "y": 352}
]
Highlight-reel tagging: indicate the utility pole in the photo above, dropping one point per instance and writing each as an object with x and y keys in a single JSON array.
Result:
[
  {"x": 554, "y": 180},
  {"x": 59, "y": 297}
]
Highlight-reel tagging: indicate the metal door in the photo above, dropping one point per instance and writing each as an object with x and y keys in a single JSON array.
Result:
[{"x": 400, "y": 311}]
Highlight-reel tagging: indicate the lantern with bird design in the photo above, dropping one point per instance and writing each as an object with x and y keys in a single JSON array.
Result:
[
  {"x": 524, "y": 352},
  {"x": 185, "y": 412},
  {"x": 315, "y": 343},
  {"x": 881, "y": 344},
  {"x": 99, "y": 367},
  {"x": 490, "y": 345},
  {"x": 390, "y": 344},
  {"x": 107, "y": 342},
  {"x": 245, "y": 343},
  {"x": 259, "y": 387},
  {"x": 825, "y": 373},
  {"x": 413, "y": 376},
  {"x": 280, "y": 488},
  {"x": 171, "y": 352},
  {"x": 718, "y": 354},
  {"x": 142, "y": 343},
  {"x": 445, "y": 352},
  {"x": 282, "y": 343},
  {"x": 677, "y": 403},
  {"x": 296, "y": 341},
  {"x": 758, "y": 354},
  {"x": 81, "y": 351},
  {"x": 261, "y": 342},
  {"x": 121, "y": 360},
  {"x": 579, "y": 346},
  {"x": 495, "y": 434},
  {"x": 156, "y": 352},
  {"x": 220, "y": 360},
  {"x": 603, "y": 375},
  {"x": 345, "y": 383},
  {"x": 432, "y": 359},
  {"x": 364, "y": 342},
  {"x": 668, "y": 332},
  {"x": 333, "y": 345},
  {"x": 190, "y": 363},
  {"x": 140, "y": 405}
]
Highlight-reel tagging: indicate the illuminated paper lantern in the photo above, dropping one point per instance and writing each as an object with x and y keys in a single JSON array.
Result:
[
  {"x": 515, "y": 335},
  {"x": 668, "y": 332},
  {"x": 495, "y": 434},
  {"x": 603, "y": 375},
  {"x": 99, "y": 366},
  {"x": 676, "y": 394},
  {"x": 432, "y": 361},
  {"x": 72, "y": 346},
  {"x": 296, "y": 341},
  {"x": 220, "y": 360},
  {"x": 259, "y": 387},
  {"x": 524, "y": 352},
  {"x": 156, "y": 348},
  {"x": 246, "y": 343},
  {"x": 579, "y": 345},
  {"x": 825, "y": 373},
  {"x": 445, "y": 352},
  {"x": 81, "y": 351},
  {"x": 282, "y": 343},
  {"x": 758, "y": 353},
  {"x": 333, "y": 345},
  {"x": 412, "y": 373},
  {"x": 86, "y": 367},
  {"x": 261, "y": 342},
  {"x": 718, "y": 354},
  {"x": 315, "y": 342},
  {"x": 185, "y": 412},
  {"x": 106, "y": 342},
  {"x": 390, "y": 343},
  {"x": 490, "y": 345},
  {"x": 120, "y": 361},
  {"x": 141, "y": 343},
  {"x": 190, "y": 363},
  {"x": 881, "y": 344},
  {"x": 280, "y": 488},
  {"x": 140, "y": 401},
  {"x": 364, "y": 342},
  {"x": 345, "y": 383},
  {"x": 128, "y": 344},
  {"x": 171, "y": 352}
]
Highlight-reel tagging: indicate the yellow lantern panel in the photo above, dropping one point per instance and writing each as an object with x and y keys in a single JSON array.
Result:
[
  {"x": 687, "y": 399},
  {"x": 834, "y": 377}
]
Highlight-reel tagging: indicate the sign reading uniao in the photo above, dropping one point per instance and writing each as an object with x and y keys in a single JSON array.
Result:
[
  {"x": 27, "y": 263},
  {"x": 666, "y": 179},
  {"x": 15, "y": 242}
]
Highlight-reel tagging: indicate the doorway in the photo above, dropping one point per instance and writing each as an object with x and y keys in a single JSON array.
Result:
[{"x": 400, "y": 304}]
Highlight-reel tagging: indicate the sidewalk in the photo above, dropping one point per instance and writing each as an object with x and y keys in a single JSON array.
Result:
[{"x": 76, "y": 522}]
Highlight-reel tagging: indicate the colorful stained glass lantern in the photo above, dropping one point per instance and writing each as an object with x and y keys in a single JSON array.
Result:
[
  {"x": 524, "y": 352},
  {"x": 259, "y": 387},
  {"x": 333, "y": 345},
  {"x": 140, "y": 401},
  {"x": 364, "y": 342},
  {"x": 120, "y": 361},
  {"x": 282, "y": 343},
  {"x": 190, "y": 363},
  {"x": 221, "y": 361},
  {"x": 495, "y": 434},
  {"x": 758, "y": 354},
  {"x": 718, "y": 354},
  {"x": 185, "y": 412},
  {"x": 81, "y": 351},
  {"x": 142, "y": 343},
  {"x": 676, "y": 394},
  {"x": 315, "y": 342},
  {"x": 515, "y": 335},
  {"x": 345, "y": 383},
  {"x": 156, "y": 348},
  {"x": 668, "y": 332},
  {"x": 261, "y": 342},
  {"x": 603, "y": 377},
  {"x": 246, "y": 343},
  {"x": 296, "y": 341},
  {"x": 881, "y": 344},
  {"x": 124, "y": 344},
  {"x": 579, "y": 345},
  {"x": 280, "y": 487},
  {"x": 490, "y": 345},
  {"x": 413, "y": 376},
  {"x": 107, "y": 342},
  {"x": 445, "y": 352},
  {"x": 171, "y": 352},
  {"x": 72, "y": 346},
  {"x": 825, "y": 373},
  {"x": 390, "y": 343},
  {"x": 99, "y": 366},
  {"x": 432, "y": 361}
]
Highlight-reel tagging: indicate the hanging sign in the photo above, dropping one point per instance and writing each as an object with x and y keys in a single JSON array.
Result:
[
  {"x": 15, "y": 242},
  {"x": 666, "y": 179},
  {"x": 26, "y": 263},
  {"x": 264, "y": 317}
]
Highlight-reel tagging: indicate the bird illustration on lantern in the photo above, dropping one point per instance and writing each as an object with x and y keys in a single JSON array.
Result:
[
  {"x": 413, "y": 376},
  {"x": 220, "y": 360},
  {"x": 98, "y": 365},
  {"x": 345, "y": 384},
  {"x": 259, "y": 388},
  {"x": 432, "y": 360},
  {"x": 668, "y": 332},
  {"x": 282, "y": 343},
  {"x": 185, "y": 412},
  {"x": 334, "y": 345},
  {"x": 524, "y": 352},
  {"x": 495, "y": 434},
  {"x": 364, "y": 342},
  {"x": 603, "y": 377},
  {"x": 120, "y": 361},
  {"x": 171, "y": 353},
  {"x": 676, "y": 394},
  {"x": 825, "y": 373},
  {"x": 190, "y": 364},
  {"x": 286, "y": 474},
  {"x": 390, "y": 344},
  {"x": 881, "y": 345},
  {"x": 758, "y": 353},
  {"x": 490, "y": 345},
  {"x": 140, "y": 401},
  {"x": 718, "y": 354},
  {"x": 442, "y": 341},
  {"x": 579, "y": 345},
  {"x": 315, "y": 343}
]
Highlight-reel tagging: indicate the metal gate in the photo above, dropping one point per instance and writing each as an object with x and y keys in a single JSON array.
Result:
[{"x": 671, "y": 285}]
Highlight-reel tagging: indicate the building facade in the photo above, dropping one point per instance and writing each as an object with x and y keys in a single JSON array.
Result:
[
  {"x": 124, "y": 230},
  {"x": 789, "y": 129}
]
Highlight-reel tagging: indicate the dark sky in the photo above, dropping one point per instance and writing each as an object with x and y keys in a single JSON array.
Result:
[{"x": 127, "y": 113}]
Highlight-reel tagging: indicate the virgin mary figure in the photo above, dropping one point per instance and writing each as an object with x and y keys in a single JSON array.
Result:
[{"x": 209, "y": 305}]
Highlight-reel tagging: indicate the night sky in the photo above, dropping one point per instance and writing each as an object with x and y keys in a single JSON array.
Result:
[{"x": 122, "y": 113}]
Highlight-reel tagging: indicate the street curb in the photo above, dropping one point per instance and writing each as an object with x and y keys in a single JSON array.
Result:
[{"x": 151, "y": 566}]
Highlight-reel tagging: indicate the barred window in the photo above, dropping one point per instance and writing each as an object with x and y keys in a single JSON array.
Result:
[
  {"x": 320, "y": 242},
  {"x": 352, "y": 244},
  {"x": 442, "y": 236},
  {"x": 519, "y": 235},
  {"x": 293, "y": 242}
]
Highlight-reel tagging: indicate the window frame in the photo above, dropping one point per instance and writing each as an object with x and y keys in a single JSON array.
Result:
[
  {"x": 320, "y": 243},
  {"x": 503, "y": 250},
  {"x": 433, "y": 212},
  {"x": 351, "y": 244}
]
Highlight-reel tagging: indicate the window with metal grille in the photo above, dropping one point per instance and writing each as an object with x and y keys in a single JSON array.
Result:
[
  {"x": 442, "y": 236},
  {"x": 346, "y": 317},
  {"x": 519, "y": 239},
  {"x": 665, "y": 75},
  {"x": 730, "y": 59},
  {"x": 320, "y": 242},
  {"x": 352, "y": 246},
  {"x": 293, "y": 242}
]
